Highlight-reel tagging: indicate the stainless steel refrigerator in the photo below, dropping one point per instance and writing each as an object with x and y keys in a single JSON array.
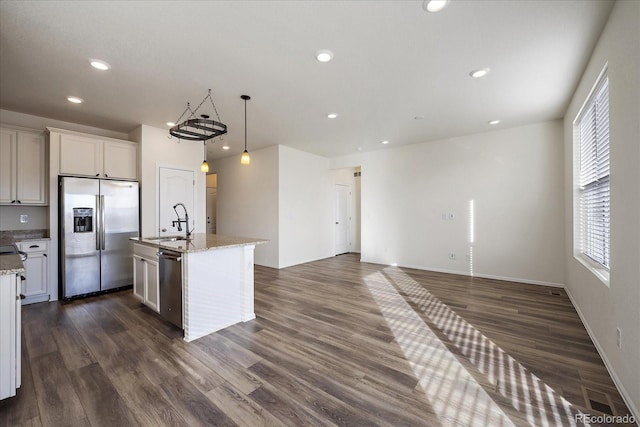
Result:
[{"x": 97, "y": 218}]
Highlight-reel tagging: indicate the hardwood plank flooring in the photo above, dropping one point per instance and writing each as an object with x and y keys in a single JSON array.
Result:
[{"x": 335, "y": 342}]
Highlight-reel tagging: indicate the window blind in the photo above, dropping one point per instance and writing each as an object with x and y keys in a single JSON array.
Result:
[{"x": 593, "y": 185}]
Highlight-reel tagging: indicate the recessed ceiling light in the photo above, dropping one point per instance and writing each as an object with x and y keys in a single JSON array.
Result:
[
  {"x": 332, "y": 115},
  {"x": 324, "y": 55},
  {"x": 434, "y": 5},
  {"x": 385, "y": 142},
  {"x": 75, "y": 99},
  {"x": 476, "y": 74},
  {"x": 359, "y": 148},
  {"x": 494, "y": 122},
  {"x": 171, "y": 124},
  {"x": 225, "y": 147},
  {"x": 100, "y": 65}
]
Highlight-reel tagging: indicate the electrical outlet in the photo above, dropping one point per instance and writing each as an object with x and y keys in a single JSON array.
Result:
[
  {"x": 452, "y": 256},
  {"x": 24, "y": 219},
  {"x": 452, "y": 216},
  {"x": 618, "y": 337}
]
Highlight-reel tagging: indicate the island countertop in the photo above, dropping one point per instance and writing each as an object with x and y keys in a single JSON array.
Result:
[
  {"x": 198, "y": 242},
  {"x": 11, "y": 264}
]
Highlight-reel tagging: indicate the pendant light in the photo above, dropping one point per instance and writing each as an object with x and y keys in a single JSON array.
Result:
[
  {"x": 245, "y": 159},
  {"x": 204, "y": 167}
]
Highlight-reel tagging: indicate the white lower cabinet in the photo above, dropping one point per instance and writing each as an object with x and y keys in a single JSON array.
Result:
[
  {"x": 146, "y": 280},
  {"x": 35, "y": 283},
  {"x": 10, "y": 333}
]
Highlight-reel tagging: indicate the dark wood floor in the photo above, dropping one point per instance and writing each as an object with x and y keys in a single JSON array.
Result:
[{"x": 335, "y": 342}]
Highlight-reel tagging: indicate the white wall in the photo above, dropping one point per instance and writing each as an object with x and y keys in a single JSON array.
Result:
[
  {"x": 158, "y": 150},
  {"x": 602, "y": 308},
  {"x": 513, "y": 177},
  {"x": 306, "y": 227},
  {"x": 41, "y": 123},
  {"x": 247, "y": 201},
  {"x": 37, "y": 217}
]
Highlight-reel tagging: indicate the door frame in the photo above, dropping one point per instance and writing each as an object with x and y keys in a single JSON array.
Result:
[{"x": 348, "y": 225}]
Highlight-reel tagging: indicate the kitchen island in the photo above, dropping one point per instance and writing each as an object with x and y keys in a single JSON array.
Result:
[
  {"x": 10, "y": 324},
  {"x": 216, "y": 273}
]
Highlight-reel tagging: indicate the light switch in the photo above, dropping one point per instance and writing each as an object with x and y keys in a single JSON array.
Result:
[{"x": 24, "y": 219}]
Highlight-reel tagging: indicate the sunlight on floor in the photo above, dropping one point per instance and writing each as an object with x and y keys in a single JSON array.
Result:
[{"x": 460, "y": 386}]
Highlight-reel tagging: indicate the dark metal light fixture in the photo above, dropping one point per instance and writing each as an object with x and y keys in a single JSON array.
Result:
[
  {"x": 198, "y": 129},
  {"x": 245, "y": 159}
]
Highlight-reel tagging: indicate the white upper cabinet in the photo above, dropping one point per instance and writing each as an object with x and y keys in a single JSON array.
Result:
[
  {"x": 120, "y": 159},
  {"x": 91, "y": 156},
  {"x": 80, "y": 155},
  {"x": 23, "y": 167}
]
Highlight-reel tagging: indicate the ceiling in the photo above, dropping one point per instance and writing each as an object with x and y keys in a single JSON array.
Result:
[{"x": 392, "y": 61}]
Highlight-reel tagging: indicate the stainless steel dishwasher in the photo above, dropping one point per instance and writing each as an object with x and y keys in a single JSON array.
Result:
[{"x": 170, "y": 265}]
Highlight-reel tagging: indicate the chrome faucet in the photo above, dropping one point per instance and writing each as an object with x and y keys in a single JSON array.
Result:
[{"x": 179, "y": 222}]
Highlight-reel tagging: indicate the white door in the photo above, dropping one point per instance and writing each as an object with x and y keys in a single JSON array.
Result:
[
  {"x": 211, "y": 210},
  {"x": 176, "y": 186},
  {"x": 342, "y": 194}
]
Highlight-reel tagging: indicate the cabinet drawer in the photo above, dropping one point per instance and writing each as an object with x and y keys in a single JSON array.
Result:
[
  {"x": 147, "y": 252},
  {"x": 34, "y": 246}
]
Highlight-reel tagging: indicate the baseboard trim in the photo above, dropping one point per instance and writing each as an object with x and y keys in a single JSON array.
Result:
[
  {"x": 482, "y": 276},
  {"x": 616, "y": 380}
]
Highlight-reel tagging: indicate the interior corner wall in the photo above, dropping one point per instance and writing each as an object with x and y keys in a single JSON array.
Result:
[
  {"x": 602, "y": 308},
  {"x": 493, "y": 199},
  {"x": 158, "y": 150},
  {"x": 247, "y": 201},
  {"x": 306, "y": 207}
]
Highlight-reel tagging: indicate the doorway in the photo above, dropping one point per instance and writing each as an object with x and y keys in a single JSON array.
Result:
[{"x": 342, "y": 204}]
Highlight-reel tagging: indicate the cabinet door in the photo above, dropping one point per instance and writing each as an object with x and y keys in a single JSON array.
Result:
[
  {"x": 8, "y": 141},
  {"x": 8, "y": 331},
  {"x": 18, "y": 342},
  {"x": 139, "y": 277},
  {"x": 153, "y": 285},
  {"x": 120, "y": 160},
  {"x": 80, "y": 156},
  {"x": 31, "y": 169},
  {"x": 36, "y": 269}
]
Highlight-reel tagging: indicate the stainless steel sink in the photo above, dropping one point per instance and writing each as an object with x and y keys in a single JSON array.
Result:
[
  {"x": 8, "y": 250},
  {"x": 167, "y": 238},
  {"x": 12, "y": 250}
]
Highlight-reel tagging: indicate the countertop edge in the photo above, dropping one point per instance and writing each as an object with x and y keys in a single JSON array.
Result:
[
  {"x": 176, "y": 245},
  {"x": 11, "y": 264}
]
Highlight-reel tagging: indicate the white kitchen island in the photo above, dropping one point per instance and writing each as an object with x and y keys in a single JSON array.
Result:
[{"x": 217, "y": 279}]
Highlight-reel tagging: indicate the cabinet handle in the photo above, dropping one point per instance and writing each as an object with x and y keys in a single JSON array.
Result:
[
  {"x": 97, "y": 174},
  {"x": 34, "y": 246},
  {"x": 106, "y": 176},
  {"x": 21, "y": 296},
  {"x": 18, "y": 201},
  {"x": 13, "y": 201},
  {"x": 44, "y": 254},
  {"x": 22, "y": 277}
]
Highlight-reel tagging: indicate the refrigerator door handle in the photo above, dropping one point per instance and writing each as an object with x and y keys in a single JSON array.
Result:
[
  {"x": 102, "y": 232},
  {"x": 98, "y": 227}
]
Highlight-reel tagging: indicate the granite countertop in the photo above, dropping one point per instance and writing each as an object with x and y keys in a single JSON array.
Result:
[
  {"x": 198, "y": 242},
  {"x": 9, "y": 237},
  {"x": 11, "y": 264}
]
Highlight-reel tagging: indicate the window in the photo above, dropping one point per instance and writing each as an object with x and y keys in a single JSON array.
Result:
[{"x": 591, "y": 128}]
